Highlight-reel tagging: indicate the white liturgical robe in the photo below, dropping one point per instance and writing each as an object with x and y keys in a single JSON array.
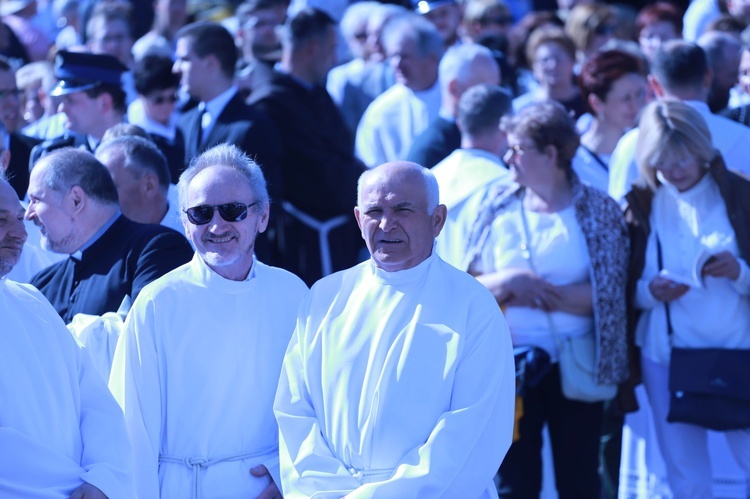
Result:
[
  {"x": 59, "y": 425},
  {"x": 396, "y": 385},
  {"x": 196, "y": 371}
]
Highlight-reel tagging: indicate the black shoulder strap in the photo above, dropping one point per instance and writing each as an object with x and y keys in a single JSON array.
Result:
[
  {"x": 666, "y": 304},
  {"x": 597, "y": 158}
]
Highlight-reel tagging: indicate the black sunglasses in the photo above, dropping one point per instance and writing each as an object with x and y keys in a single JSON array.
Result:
[
  {"x": 231, "y": 212},
  {"x": 161, "y": 99}
]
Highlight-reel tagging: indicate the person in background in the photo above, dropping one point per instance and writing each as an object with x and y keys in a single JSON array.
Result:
[
  {"x": 461, "y": 67},
  {"x": 554, "y": 253},
  {"x": 154, "y": 109},
  {"x": 723, "y": 52},
  {"x": 590, "y": 26},
  {"x": 486, "y": 18},
  {"x": 613, "y": 83},
  {"x": 169, "y": 17},
  {"x": 444, "y": 14},
  {"x": 656, "y": 24},
  {"x": 686, "y": 201}
]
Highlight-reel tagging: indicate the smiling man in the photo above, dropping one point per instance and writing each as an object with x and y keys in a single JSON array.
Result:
[
  {"x": 399, "y": 379},
  {"x": 197, "y": 367}
]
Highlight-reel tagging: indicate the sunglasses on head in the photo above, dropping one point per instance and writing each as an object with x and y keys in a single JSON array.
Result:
[
  {"x": 161, "y": 99},
  {"x": 230, "y": 212}
]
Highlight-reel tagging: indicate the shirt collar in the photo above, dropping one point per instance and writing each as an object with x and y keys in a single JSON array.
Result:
[{"x": 215, "y": 106}]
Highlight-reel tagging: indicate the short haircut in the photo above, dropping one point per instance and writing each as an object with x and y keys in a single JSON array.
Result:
[
  {"x": 726, "y": 23},
  {"x": 428, "y": 39},
  {"x": 116, "y": 93},
  {"x": 141, "y": 156},
  {"x": 715, "y": 45},
  {"x": 545, "y": 124},
  {"x": 154, "y": 72},
  {"x": 430, "y": 185},
  {"x": 355, "y": 16},
  {"x": 70, "y": 167},
  {"x": 122, "y": 129},
  {"x": 481, "y": 107},
  {"x": 522, "y": 31},
  {"x": 549, "y": 34},
  {"x": 458, "y": 62},
  {"x": 105, "y": 12},
  {"x": 603, "y": 69},
  {"x": 585, "y": 19},
  {"x": 226, "y": 155},
  {"x": 678, "y": 64},
  {"x": 210, "y": 38},
  {"x": 307, "y": 24},
  {"x": 670, "y": 127},
  {"x": 659, "y": 12}
]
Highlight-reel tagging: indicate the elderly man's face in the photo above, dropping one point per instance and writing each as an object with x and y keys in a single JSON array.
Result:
[
  {"x": 225, "y": 246},
  {"x": 53, "y": 212},
  {"x": 394, "y": 219},
  {"x": 12, "y": 231},
  {"x": 411, "y": 67}
]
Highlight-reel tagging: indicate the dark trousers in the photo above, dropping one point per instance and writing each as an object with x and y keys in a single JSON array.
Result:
[{"x": 574, "y": 428}]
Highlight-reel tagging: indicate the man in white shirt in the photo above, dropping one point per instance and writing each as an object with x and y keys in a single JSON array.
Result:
[
  {"x": 61, "y": 432},
  {"x": 464, "y": 175},
  {"x": 141, "y": 176},
  {"x": 680, "y": 71},
  {"x": 196, "y": 368},
  {"x": 399, "y": 379},
  {"x": 402, "y": 112}
]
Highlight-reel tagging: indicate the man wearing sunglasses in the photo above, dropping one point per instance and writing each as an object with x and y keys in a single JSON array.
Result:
[
  {"x": 197, "y": 367},
  {"x": 399, "y": 380}
]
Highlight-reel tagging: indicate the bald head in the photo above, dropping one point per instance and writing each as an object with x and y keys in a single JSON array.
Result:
[
  {"x": 12, "y": 230},
  {"x": 398, "y": 214}
]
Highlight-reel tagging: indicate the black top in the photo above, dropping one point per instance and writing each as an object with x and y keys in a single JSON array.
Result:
[
  {"x": 18, "y": 169},
  {"x": 436, "y": 143},
  {"x": 121, "y": 262}
]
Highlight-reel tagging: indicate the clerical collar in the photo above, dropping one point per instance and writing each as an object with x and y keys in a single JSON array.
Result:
[
  {"x": 404, "y": 276},
  {"x": 215, "y": 106},
  {"x": 104, "y": 228}
]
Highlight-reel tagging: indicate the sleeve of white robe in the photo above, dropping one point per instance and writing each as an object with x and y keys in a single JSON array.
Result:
[
  {"x": 134, "y": 381},
  {"x": 464, "y": 450}
]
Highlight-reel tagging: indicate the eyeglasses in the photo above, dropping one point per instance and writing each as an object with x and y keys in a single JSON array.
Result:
[
  {"x": 161, "y": 99},
  {"x": 10, "y": 92},
  {"x": 515, "y": 149},
  {"x": 230, "y": 212}
]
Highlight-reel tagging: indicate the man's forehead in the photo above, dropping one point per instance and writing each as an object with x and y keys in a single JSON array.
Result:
[
  {"x": 215, "y": 181},
  {"x": 404, "y": 189}
]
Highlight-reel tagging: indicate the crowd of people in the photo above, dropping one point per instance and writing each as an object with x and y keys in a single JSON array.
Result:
[{"x": 322, "y": 249}]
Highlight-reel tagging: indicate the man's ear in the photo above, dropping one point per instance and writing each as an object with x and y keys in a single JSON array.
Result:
[
  {"x": 358, "y": 215},
  {"x": 438, "y": 219},
  {"x": 150, "y": 185},
  {"x": 76, "y": 199},
  {"x": 655, "y": 85}
]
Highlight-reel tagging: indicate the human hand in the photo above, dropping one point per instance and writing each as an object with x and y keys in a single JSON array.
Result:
[
  {"x": 87, "y": 491},
  {"x": 529, "y": 290},
  {"x": 270, "y": 492},
  {"x": 666, "y": 290},
  {"x": 722, "y": 264}
]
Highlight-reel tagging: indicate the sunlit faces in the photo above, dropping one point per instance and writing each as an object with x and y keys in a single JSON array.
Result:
[
  {"x": 393, "y": 217},
  {"x": 653, "y": 35},
  {"x": 10, "y": 104},
  {"x": 552, "y": 65},
  {"x": 82, "y": 113},
  {"x": 680, "y": 169},
  {"x": 53, "y": 213},
  {"x": 622, "y": 105},
  {"x": 226, "y": 247},
  {"x": 12, "y": 231},
  {"x": 412, "y": 69}
]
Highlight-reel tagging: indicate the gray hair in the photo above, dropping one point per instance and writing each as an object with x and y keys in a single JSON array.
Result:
[
  {"x": 423, "y": 32},
  {"x": 141, "y": 156},
  {"x": 431, "y": 187},
  {"x": 459, "y": 62},
  {"x": 70, "y": 167},
  {"x": 356, "y": 15},
  {"x": 230, "y": 156}
]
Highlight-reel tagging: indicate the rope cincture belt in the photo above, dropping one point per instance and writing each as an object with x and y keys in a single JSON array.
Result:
[
  {"x": 199, "y": 463},
  {"x": 371, "y": 475},
  {"x": 323, "y": 228}
]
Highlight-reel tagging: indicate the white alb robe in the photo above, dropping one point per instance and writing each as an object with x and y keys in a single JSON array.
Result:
[
  {"x": 390, "y": 123},
  {"x": 196, "y": 371},
  {"x": 59, "y": 425},
  {"x": 396, "y": 384},
  {"x": 461, "y": 177}
]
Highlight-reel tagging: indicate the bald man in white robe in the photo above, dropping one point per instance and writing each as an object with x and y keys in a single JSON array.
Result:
[
  {"x": 61, "y": 432},
  {"x": 399, "y": 379}
]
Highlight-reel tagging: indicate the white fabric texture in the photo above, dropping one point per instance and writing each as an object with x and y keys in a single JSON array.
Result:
[
  {"x": 730, "y": 139},
  {"x": 196, "y": 372},
  {"x": 59, "y": 425},
  {"x": 396, "y": 384},
  {"x": 461, "y": 176},
  {"x": 391, "y": 122},
  {"x": 590, "y": 171}
]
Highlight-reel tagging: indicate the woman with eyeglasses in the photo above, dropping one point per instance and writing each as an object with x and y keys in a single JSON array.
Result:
[
  {"x": 684, "y": 203},
  {"x": 554, "y": 254},
  {"x": 613, "y": 83},
  {"x": 154, "y": 109}
]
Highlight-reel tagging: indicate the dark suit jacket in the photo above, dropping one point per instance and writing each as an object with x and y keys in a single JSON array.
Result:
[
  {"x": 319, "y": 168},
  {"x": 429, "y": 148},
  {"x": 18, "y": 169},
  {"x": 121, "y": 262}
]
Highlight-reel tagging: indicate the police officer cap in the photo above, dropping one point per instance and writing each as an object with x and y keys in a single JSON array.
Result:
[
  {"x": 425, "y": 6},
  {"x": 80, "y": 71}
]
